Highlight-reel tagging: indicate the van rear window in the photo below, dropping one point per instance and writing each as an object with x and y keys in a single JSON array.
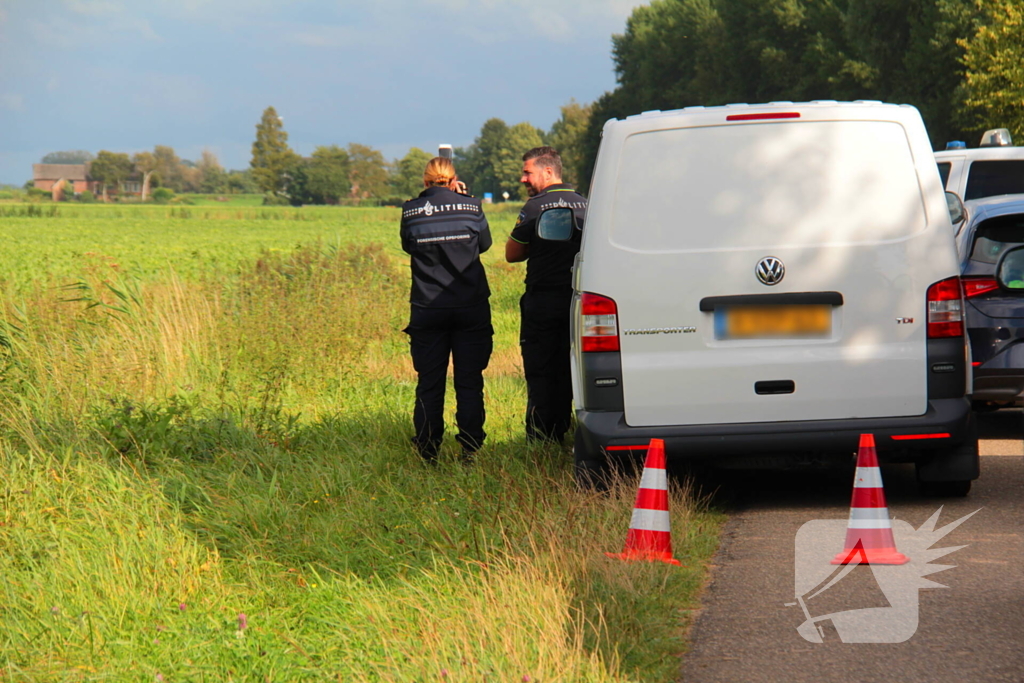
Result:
[
  {"x": 995, "y": 236},
  {"x": 991, "y": 178},
  {"x": 766, "y": 185}
]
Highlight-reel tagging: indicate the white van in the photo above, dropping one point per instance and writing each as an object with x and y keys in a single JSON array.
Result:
[{"x": 766, "y": 283}]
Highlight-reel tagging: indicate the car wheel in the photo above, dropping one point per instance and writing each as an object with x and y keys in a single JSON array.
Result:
[
  {"x": 591, "y": 469},
  {"x": 944, "y": 489}
]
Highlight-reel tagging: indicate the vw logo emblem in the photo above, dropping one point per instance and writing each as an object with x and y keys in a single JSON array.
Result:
[{"x": 770, "y": 270}]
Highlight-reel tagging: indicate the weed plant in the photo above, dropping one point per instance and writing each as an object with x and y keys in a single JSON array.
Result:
[{"x": 207, "y": 476}]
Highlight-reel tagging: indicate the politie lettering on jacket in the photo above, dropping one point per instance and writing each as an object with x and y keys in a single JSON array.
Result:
[
  {"x": 562, "y": 204},
  {"x": 429, "y": 209}
]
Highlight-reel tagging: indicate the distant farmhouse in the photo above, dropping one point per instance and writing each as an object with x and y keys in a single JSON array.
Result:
[{"x": 61, "y": 178}]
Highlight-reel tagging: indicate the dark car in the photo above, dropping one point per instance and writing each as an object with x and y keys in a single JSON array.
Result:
[{"x": 994, "y": 295}]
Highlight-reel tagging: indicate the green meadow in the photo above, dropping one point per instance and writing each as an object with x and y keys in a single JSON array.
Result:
[{"x": 206, "y": 474}]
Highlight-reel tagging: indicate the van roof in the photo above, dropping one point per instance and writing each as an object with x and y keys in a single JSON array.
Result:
[{"x": 768, "y": 108}]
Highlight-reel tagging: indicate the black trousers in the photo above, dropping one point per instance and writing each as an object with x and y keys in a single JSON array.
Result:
[
  {"x": 544, "y": 339},
  {"x": 464, "y": 334}
]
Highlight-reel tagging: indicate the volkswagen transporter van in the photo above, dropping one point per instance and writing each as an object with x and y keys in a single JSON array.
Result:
[{"x": 771, "y": 281}]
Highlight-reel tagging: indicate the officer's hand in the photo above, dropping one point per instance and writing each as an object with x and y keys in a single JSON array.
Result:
[{"x": 460, "y": 187}]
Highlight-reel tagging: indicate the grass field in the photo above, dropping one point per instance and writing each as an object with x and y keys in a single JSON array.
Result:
[{"x": 205, "y": 471}]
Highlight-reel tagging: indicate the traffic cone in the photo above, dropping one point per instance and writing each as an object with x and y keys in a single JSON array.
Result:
[
  {"x": 649, "y": 536},
  {"x": 869, "y": 532}
]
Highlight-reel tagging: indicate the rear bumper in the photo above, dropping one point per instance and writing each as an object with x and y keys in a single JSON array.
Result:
[
  {"x": 998, "y": 385},
  {"x": 601, "y": 432}
]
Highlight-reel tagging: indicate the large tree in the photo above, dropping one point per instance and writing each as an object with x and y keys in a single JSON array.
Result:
[
  {"x": 323, "y": 178},
  {"x": 110, "y": 168},
  {"x": 994, "y": 57},
  {"x": 566, "y": 136},
  {"x": 407, "y": 178},
  {"x": 146, "y": 164},
  {"x": 508, "y": 165},
  {"x": 368, "y": 172},
  {"x": 271, "y": 155},
  {"x": 679, "y": 53},
  {"x": 211, "y": 176}
]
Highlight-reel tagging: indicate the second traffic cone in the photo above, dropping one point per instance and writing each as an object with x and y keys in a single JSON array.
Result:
[
  {"x": 649, "y": 536},
  {"x": 869, "y": 532}
]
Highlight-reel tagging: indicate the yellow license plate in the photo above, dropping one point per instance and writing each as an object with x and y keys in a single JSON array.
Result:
[{"x": 748, "y": 322}]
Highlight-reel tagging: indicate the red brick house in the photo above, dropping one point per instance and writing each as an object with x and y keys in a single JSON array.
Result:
[{"x": 58, "y": 178}]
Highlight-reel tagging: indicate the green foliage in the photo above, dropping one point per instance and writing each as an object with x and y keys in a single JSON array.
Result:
[
  {"x": 110, "y": 169},
  {"x": 86, "y": 197},
  {"x": 368, "y": 175},
  {"x": 679, "y": 53},
  {"x": 162, "y": 195},
  {"x": 994, "y": 58},
  {"x": 508, "y": 166},
  {"x": 321, "y": 179},
  {"x": 37, "y": 193},
  {"x": 567, "y": 134},
  {"x": 271, "y": 155},
  {"x": 74, "y": 156},
  {"x": 407, "y": 176}
]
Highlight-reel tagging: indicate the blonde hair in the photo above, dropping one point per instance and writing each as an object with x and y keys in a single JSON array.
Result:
[{"x": 439, "y": 171}]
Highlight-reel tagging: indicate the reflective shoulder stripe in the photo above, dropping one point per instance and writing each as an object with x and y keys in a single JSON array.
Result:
[{"x": 517, "y": 241}]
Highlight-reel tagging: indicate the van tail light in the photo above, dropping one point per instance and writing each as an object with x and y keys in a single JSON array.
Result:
[
  {"x": 945, "y": 309},
  {"x": 976, "y": 286},
  {"x": 600, "y": 329}
]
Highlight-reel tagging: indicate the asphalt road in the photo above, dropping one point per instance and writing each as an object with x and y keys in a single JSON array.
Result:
[{"x": 973, "y": 630}]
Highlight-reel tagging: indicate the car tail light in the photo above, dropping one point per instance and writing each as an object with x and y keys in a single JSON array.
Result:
[
  {"x": 945, "y": 309},
  {"x": 600, "y": 329},
  {"x": 976, "y": 286}
]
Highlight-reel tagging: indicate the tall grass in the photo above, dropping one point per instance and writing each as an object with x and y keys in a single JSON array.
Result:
[{"x": 178, "y": 452}]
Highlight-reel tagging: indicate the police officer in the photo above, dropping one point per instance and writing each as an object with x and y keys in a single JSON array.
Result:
[
  {"x": 545, "y": 306},
  {"x": 445, "y": 231}
]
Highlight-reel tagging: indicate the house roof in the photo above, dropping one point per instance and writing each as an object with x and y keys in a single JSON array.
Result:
[{"x": 56, "y": 171}]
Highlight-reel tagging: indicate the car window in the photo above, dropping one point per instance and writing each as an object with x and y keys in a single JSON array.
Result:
[
  {"x": 991, "y": 178},
  {"x": 944, "y": 169},
  {"x": 996, "y": 235}
]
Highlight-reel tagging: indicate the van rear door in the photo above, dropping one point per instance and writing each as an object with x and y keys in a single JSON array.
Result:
[{"x": 770, "y": 271}]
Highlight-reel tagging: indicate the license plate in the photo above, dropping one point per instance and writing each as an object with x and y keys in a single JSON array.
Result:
[{"x": 753, "y": 322}]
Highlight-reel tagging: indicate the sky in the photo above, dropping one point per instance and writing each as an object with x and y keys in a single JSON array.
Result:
[{"x": 126, "y": 75}]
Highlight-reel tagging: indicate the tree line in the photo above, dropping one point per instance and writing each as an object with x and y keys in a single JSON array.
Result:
[
  {"x": 960, "y": 62},
  {"x": 160, "y": 168},
  {"x": 332, "y": 174}
]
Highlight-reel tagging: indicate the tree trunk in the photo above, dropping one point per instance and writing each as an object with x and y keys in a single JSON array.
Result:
[{"x": 145, "y": 184}]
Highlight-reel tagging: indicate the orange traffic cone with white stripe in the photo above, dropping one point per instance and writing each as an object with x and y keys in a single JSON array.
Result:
[
  {"x": 869, "y": 533},
  {"x": 649, "y": 536}
]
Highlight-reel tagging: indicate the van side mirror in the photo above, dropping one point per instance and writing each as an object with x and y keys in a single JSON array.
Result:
[
  {"x": 556, "y": 224},
  {"x": 957, "y": 212},
  {"x": 1010, "y": 270}
]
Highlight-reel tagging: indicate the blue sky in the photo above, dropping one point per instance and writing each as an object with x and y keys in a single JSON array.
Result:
[{"x": 125, "y": 75}]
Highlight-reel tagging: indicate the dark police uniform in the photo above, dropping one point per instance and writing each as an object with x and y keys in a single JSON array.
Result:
[
  {"x": 445, "y": 233},
  {"x": 545, "y": 310}
]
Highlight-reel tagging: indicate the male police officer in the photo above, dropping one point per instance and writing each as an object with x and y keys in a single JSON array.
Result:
[{"x": 545, "y": 306}]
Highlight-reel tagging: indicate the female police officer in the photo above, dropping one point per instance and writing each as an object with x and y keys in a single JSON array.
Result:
[{"x": 445, "y": 231}]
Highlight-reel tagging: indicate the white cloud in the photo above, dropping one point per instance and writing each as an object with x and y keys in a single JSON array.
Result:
[{"x": 12, "y": 101}]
